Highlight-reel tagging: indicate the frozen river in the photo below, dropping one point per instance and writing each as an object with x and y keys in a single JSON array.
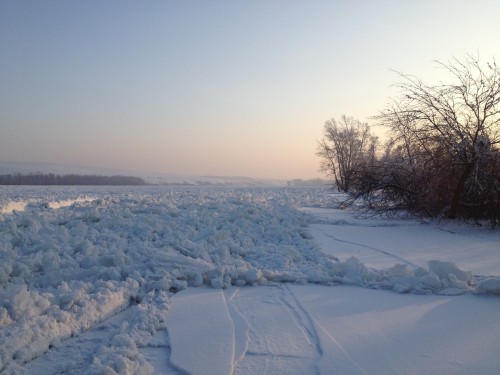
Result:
[{"x": 220, "y": 280}]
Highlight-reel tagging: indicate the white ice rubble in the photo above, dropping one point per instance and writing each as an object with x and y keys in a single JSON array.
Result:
[{"x": 71, "y": 258}]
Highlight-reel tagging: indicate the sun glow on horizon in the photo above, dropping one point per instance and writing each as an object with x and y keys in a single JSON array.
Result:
[{"x": 212, "y": 88}]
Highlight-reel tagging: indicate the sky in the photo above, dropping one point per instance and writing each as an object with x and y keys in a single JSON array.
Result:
[{"x": 225, "y": 88}]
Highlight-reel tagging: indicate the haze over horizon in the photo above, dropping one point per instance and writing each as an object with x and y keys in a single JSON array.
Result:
[{"x": 226, "y": 88}]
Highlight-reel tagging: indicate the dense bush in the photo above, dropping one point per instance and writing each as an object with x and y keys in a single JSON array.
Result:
[{"x": 443, "y": 158}]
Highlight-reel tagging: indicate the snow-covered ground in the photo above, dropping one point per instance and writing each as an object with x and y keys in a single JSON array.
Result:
[{"x": 154, "y": 280}]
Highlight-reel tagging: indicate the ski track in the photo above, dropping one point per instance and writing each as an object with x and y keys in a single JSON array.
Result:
[
  {"x": 315, "y": 332},
  {"x": 283, "y": 342},
  {"x": 328, "y": 354},
  {"x": 326, "y": 365},
  {"x": 380, "y": 251},
  {"x": 301, "y": 316},
  {"x": 241, "y": 325}
]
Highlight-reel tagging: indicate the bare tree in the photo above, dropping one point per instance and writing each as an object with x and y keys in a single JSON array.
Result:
[
  {"x": 451, "y": 132},
  {"x": 346, "y": 146}
]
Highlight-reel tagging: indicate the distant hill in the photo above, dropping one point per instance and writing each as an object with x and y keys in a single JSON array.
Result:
[
  {"x": 59, "y": 169},
  {"x": 25, "y": 168}
]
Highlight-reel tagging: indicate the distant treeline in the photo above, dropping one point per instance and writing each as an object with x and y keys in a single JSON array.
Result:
[{"x": 68, "y": 179}]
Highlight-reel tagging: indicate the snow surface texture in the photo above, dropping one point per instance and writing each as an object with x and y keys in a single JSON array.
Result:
[
  {"x": 314, "y": 329},
  {"x": 73, "y": 260}
]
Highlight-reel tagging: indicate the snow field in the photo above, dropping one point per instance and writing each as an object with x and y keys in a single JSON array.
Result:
[
  {"x": 68, "y": 269},
  {"x": 315, "y": 329},
  {"x": 386, "y": 333}
]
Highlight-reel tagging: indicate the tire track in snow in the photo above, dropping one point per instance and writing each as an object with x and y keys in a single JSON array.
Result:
[
  {"x": 301, "y": 317},
  {"x": 241, "y": 325},
  {"x": 278, "y": 338},
  {"x": 329, "y": 353}
]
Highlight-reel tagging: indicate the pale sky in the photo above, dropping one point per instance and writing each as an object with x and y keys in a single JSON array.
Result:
[{"x": 214, "y": 87}]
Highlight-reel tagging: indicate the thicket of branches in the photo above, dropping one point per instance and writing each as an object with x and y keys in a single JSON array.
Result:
[
  {"x": 69, "y": 179},
  {"x": 443, "y": 158}
]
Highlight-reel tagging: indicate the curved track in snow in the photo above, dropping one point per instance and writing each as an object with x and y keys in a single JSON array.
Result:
[
  {"x": 374, "y": 249},
  {"x": 249, "y": 330}
]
